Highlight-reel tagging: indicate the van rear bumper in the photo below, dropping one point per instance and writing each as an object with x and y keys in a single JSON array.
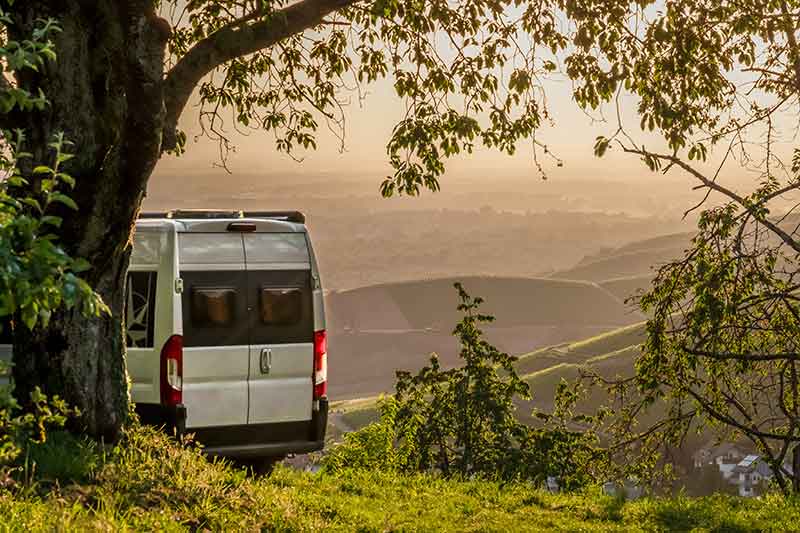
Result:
[
  {"x": 264, "y": 450},
  {"x": 266, "y": 440}
]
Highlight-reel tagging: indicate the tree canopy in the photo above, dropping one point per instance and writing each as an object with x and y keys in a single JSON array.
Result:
[{"x": 715, "y": 86}]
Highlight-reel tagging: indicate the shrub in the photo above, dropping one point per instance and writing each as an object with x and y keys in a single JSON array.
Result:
[
  {"x": 461, "y": 422},
  {"x": 21, "y": 429}
]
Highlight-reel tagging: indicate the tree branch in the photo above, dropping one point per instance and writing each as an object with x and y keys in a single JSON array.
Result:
[
  {"x": 232, "y": 42},
  {"x": 754, "y": 357},
  {"x": 711, "y": 184}
]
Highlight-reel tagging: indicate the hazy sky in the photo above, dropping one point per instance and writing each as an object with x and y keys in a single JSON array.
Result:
[{"x": 369, "y": 126}]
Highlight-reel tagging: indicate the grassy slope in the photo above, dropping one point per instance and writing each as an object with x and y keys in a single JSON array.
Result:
[
  {"x": 579, "y": 352},
  {"x": 624, "y": 288},
  {"x": 611, "y": 353},
  {"x": 148, "y": 483}
]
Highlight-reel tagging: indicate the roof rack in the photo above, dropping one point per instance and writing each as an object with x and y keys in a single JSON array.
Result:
[{"x": 289, "y": 216}]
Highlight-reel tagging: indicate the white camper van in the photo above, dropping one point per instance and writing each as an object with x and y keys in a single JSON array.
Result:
[{"x": 226, "y": 331}]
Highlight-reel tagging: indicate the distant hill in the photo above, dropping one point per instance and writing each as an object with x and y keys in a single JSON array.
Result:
[
  {"x": 378, "y": 329},
  {"x": 577, "y": 353},
  {"x": 417, "y": 305},
  {"x": 637, "y": 259},
  {"x": 611, "y": 354}
]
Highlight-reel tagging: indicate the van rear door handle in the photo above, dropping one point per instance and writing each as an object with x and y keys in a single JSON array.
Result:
[{"x": 266, "y": 360}]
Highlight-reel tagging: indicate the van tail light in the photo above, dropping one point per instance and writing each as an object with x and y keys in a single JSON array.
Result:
[
  {"x": 320, "y": 364},
  {"x": 172, "y": 371}
]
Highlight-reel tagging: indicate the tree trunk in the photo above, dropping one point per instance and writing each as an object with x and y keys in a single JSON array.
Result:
[{"x": 106, "y": 95}]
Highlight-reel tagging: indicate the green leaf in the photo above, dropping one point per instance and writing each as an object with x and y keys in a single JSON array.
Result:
[
  {"x": 63, "y": 199},
  {"x": 32, "y": 202},
  {"x": 42, "y": 169},
  {"x": 52, "y": 220}
]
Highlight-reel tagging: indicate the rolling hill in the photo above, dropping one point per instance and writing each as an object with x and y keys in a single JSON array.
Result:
[
  {"x": 634, "y": 260},
  {"x": 625, "y": 288},
  {"x": 417, "y": 305},
  {"x": 611, "y": 354},
  {"x": 375, "y": 330}
]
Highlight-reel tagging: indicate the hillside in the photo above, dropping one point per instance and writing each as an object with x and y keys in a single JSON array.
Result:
[
  {"x": 637, "y": 259},
  {"x": 614, "y": 343},
  {"x": 148, "y": 483},
  {"x": 416, "y": 305},
  {"x": 375, "y": 330},
  {"x": 626, "y": 288},
  {"x": 610, "y": 354}
]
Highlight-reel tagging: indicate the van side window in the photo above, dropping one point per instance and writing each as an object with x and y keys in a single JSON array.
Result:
[
  {"x": 140, "y": 309},
  {"x": 6, "y": 336},
  {"x": 213, "y": 307},
  {"x": 280, "y": 307}
]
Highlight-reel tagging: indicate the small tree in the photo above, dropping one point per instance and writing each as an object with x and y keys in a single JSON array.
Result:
[
  {"x": 462, "y": 421},
  {"x": 465, "y": 415}
]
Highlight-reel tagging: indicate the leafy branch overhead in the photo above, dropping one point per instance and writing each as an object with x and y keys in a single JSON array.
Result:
[
  {"x": 467, "y": 73},
  {"x": 720, "y": 83},
  {"x": 471, "y": 73}
]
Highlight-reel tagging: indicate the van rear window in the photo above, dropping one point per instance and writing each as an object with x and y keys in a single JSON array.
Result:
[
  {"x": 281, "y": 307},
  {"x": 213, "y": 306},
  {"x": 140, "y": 309}
]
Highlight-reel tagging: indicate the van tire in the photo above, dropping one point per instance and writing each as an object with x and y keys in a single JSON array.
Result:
[{"x": 261, "y": 466}]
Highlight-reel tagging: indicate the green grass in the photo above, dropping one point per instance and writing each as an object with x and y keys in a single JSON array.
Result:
[
  {"x": 611, "y": 341},
  {"x": 623, "y": 339},
  {"x": 148, "y": 483},
  {"x": 349, "y": 415},
  {"x": 356, "y": 418}
]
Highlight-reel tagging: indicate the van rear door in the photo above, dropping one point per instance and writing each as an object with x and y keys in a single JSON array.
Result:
[
  {"x": 215, "y": 329},
  {"x": 281, "y": 327}
]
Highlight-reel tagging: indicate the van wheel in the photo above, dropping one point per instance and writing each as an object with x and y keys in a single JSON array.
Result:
[{"x": 262, "y": 466}]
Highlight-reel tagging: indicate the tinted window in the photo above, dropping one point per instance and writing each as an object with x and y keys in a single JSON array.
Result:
[
  {"x": 216, "y": 303},
  {"x": 282, "y": 301},
  {"x": 213, "y": 307},
  {"x": 280, "y": 307},
  {"x": 140, "y": 308},
  {"x": 5, "y": 332}
]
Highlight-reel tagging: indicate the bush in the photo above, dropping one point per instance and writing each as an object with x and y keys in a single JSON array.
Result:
[
  {"x": 19, "y": 430},
  {"x": 461, "y": 422}
]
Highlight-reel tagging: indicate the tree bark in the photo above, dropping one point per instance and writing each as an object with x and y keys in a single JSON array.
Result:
[{"x": 106, "y": 95}]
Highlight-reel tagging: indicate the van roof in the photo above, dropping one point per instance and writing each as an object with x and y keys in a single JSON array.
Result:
[
  {"x": 209, "y": 214},
  {"x": 218, "y": 220}
]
